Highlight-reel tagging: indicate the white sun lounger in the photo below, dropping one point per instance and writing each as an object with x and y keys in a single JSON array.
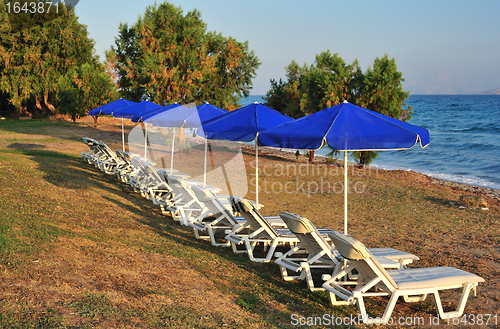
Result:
[
  {"x": 219, "y": 215},
  {"x": 261, "y": 231},
  {"x": 374, "y": 280},
  {"x": 108, "y": 162},
  {"x": 314, "y": 252}
]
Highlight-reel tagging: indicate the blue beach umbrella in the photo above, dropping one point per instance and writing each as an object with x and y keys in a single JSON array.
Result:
[
  {"x": 107, "y": 109},
  {"x": 346, "y": 127},
  {"x": 192, "y": 118},
  {"x": 204, "y": 112},
  {"x": 157, "y": 112},
  {"x": 244, "y": 125},
  {"x": 129, "y": 111}
]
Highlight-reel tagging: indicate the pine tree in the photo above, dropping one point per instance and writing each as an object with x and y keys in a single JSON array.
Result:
[
  {"x": 330, "y": 81},
  {"x": 169, "y": 56}
]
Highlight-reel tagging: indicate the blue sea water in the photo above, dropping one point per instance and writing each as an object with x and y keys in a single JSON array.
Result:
[{"x": 465, "y": 139}]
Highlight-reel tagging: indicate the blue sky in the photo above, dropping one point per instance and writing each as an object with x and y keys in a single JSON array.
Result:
[{"x": 455, "y": 42}]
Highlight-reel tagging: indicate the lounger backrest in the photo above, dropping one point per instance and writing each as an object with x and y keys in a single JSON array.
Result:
[
  {"x": 151, "y": 171},
  {"x": 213, "y": 204},
  {"x": 253, "y": 217},
  {"x": 204, "y": 195},
  {"x": 88, "y": 141},
  {"x": 308, "y": 234},
  {"x": 120, "y": 155},
  {"x": 136, "y": 163},
  {"x": 179, "y": 185},
  {"x": 358, "y": 254},
  {"x": 95, "y": 146},
  {"x": 108, "y": 151}
]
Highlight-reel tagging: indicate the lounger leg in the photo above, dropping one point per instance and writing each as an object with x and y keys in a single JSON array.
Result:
[
  {"x": 390, "y": 306},
  {"x": 250, "y": 247},
  {"x": 236, "y": 250},
  {"x": 200, "y": 237},
  {"x": 362, "y": 309},
  {"x": 306, "y": 271},
  {"x": 467, "y": 287},
  {"x": 288, "y": 277},
  {"x": 270, "y": 253},
  {"x": 211, "y": 234}
]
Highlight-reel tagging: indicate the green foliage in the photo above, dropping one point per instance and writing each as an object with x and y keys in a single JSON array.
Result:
[
  {"x": 309, "y": 89},
  {"x": 365, "y": 157},
  {"x": 84, "y": 88},
  {"x": 35, "y": 51},
  {"x": 332, "y": 154},
  {"x": 169, "y": 56},
  {"x": 330, "y": 81},
  {"x": 383, "y": 90}
]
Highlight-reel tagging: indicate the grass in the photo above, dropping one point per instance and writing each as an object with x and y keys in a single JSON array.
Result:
[{"x": 78, "y": 249}]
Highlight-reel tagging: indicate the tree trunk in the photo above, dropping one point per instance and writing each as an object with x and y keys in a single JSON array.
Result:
[
  {"x": 38, "y": 105},
  {"x": 51, "y": 107},
  {"x": 362, "y": 159},
  {"x": 311, "y": 156},
  {"x": 23, "y": 112}
]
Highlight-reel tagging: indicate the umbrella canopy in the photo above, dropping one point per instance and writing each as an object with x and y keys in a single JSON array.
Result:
[
  {"x": 107, "y": 109},
  {"x": 204, "y": 113},
  {"x": 129, "y": 111},
  {"x": 152, "y": 113},
  {"x": 244, "y": 125},
  {"x": 189, "y": 117},
  {"x": 346, "y": 127}
]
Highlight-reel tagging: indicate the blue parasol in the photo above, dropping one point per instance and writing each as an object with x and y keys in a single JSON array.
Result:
[
  {"x": 107, "y": 109},
  {"x": 129, "y": 111},
  {"x": 346, "y": 127},
  {"x": 189, "y": 117},
  {"x": 244, "y": 125}
]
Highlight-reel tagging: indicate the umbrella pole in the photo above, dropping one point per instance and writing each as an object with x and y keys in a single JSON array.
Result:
[
  {"x": 205, "y": 166},
  {"x": 172, "y": 156},
  {"x": 345, "y": 192},
  {"x": 123, "y": 138},
  {"x": 257, "y": 170},
  {"x": 146, "y": 141}
]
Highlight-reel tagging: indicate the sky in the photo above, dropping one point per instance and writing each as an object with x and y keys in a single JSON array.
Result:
[{"x": 446, "y": 46}]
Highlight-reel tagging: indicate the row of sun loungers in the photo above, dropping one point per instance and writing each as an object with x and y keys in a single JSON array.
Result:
[{"x": 350, "y": 270}]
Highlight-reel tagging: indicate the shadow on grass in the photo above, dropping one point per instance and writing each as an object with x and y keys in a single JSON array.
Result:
[
  {"x": 46, "y": 127},
  {"x": 439, "y": 201}
]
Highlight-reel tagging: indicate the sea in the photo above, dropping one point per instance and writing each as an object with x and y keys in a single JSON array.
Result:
[{"x": 465, "y": 139}]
